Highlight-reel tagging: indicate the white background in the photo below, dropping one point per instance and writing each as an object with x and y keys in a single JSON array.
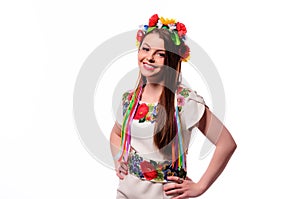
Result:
[{"x": 43, "y": 44}]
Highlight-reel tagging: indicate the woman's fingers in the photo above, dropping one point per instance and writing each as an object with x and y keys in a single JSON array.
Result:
[
  {"x": 122, "y": 170},
  {"x": 173, "y": 189},
  {"x": 175, "y": 179},
  {"x": 124, "y": 166},
  {"x": 175, "y": 186},
  {"x": 179, "y": 188}
]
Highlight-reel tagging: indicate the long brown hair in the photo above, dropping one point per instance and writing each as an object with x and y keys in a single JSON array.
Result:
[{"x": 165, "y": 127}]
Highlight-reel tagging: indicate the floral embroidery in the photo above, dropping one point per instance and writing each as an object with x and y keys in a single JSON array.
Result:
[
  {"x": 152, "y": 170},
  {"x": 141, "y": 112},
  {"x": 180, "y": 100},
  {"x": 185, "y": 92},
  {"x": 148, "y": 170},
  {"x": 126, "y": 100},
  {"x": 145, "y": 111},
  {"x": 182, "y": 94},
  {"x": 148, "y": 111}
]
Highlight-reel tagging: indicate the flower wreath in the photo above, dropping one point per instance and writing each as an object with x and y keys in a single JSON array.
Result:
[{"x": 177, "y": 29}]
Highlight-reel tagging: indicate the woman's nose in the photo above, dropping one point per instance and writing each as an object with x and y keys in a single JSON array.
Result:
[
  {"x": 151, "y": 60},
  {"x": 150, "y": 57}
]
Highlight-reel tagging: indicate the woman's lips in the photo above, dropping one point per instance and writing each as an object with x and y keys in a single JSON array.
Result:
[{"x": 148, "y": 66}]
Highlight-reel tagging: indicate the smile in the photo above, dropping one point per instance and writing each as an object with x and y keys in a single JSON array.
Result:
[{"x": 148, "y": 66}]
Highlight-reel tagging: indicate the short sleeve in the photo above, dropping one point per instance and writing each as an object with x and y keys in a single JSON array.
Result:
[
  {"x": 119, "y": 115},
  {"x": 193, "y": 107}
]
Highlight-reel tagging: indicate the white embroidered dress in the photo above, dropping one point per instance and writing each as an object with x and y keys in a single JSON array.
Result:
[{"x": 192, "y": 107}]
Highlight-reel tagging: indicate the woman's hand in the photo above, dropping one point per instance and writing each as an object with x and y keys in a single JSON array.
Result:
[
  {"x": 182, "y": 188},
  {"x": 122, "y": 170}
]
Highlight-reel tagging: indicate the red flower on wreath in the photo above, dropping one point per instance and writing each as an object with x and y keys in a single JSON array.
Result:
[
  {"x": 181, "y": 29},
  {"x": 139, "y": 35},
  {"x": 141, "y": 112},
  {"x": 153, "y": 20},
  {"x": 148, "y": 170}
]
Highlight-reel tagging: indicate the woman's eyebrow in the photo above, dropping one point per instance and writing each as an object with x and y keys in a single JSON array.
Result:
[{"x": 157, "y": 49}]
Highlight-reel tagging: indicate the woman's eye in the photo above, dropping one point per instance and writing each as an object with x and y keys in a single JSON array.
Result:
[
  {"x": 145, "y": 48},
  {"x": 162, "y": 54}
]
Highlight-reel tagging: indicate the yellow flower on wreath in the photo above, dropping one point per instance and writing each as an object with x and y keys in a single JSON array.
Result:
[{"x": 166, "y": 21}]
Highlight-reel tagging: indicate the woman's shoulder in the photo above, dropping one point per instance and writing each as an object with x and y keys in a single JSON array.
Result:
[
  {"x": 126, "y": 98},
  {"x": 186, "y": 94},
  {"x": 190, "y": 104},
  {"x": 127, "y": 95}
]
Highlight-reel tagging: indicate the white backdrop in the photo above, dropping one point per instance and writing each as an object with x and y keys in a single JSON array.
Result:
[{"x": 43, "y": 44}]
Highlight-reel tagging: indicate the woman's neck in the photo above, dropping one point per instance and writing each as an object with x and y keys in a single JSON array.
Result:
[{"x": 152, "y": 92}]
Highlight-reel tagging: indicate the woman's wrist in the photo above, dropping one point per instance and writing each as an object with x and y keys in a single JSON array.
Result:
[{"x": 202, "y": 187}]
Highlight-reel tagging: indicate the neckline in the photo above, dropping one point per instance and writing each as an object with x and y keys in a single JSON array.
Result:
[{"x": 148, "y": 103}]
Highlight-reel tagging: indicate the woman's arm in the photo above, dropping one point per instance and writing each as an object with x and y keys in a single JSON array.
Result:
[
  {"x": 115, "y": 140},
  {"x": 219, "y": 135}
]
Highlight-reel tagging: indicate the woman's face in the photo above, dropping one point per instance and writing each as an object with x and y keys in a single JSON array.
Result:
[{"x": 151, "y": 58}]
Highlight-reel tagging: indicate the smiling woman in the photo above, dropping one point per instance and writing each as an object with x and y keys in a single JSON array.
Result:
[
  {"x": 151, "y": 56},
  {"x": 152, "y": 132}
]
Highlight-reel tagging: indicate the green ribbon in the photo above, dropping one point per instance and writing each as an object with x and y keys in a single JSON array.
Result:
[{"x": 175, "y": 38}]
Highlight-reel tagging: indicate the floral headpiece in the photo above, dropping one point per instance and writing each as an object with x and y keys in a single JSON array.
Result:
[{"x": 177, "y": 29}]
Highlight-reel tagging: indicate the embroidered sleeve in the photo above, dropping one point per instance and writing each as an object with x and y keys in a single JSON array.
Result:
[
  {"x": 191, "y": 106},
  {"x": 126, "y": 97}
]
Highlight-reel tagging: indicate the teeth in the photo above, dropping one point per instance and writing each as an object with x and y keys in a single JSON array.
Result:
[{"x": 148, "y": 66}]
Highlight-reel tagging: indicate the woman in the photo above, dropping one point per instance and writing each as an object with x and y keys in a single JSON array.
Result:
[{"x": 151, "y": 135}]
